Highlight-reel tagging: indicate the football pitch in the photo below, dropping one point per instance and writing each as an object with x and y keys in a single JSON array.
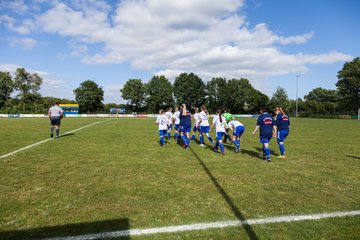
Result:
[{"x": 110, "y": 178}]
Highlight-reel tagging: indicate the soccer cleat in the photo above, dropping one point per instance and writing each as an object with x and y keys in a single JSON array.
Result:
[
  {"x": 215, "y": 150},
  {"x": 222, "y": 153},
  {"x": 268, "y": 160},
  {"x": 57, "y": 137},
  {"x": 236, "y": 150},
  {"x": 51, "y": 135},
  {"x": 201, "y": 145}
]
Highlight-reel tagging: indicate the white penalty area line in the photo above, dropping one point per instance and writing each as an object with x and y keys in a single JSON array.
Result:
[
  {"x": 49, "y": 139},
  {"x": 205, "y": 226}
]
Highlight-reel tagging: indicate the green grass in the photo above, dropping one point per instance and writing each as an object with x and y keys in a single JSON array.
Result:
[{"x": 115, "y": 176}]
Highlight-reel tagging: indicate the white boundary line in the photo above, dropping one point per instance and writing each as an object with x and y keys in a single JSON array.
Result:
[
  {"x": 49, "y": 139},
  {"x": 204, "y": 226}
]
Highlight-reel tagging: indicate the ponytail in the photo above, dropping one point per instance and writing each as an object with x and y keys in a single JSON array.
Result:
[
  {"x": 183, "y": 109},
  {"x": 281, "y": 110},
  {"x": 219, "y": 114},
  {"x": 203, "y": 107}
]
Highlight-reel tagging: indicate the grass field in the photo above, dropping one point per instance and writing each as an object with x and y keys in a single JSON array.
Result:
[{"x": 113, "y": 175}]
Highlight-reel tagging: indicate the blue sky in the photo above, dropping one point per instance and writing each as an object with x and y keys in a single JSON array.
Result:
[{"x": 109, "y": 42}]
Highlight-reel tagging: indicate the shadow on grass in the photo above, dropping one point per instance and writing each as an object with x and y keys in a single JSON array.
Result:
[
  {"x": 272, "y": 152},
  {"x": 71, "y": 230},
  {"x": 251, "y": 153},
  {"x": 67, "y": 135},
  {"x": 351, "y": 156},
  {"x": 250, "y": 232}
]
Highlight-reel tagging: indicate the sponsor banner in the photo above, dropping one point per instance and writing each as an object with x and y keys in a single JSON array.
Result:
[{"x": 141, "y": 115}]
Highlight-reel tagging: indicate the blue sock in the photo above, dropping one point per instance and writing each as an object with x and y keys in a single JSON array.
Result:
[
  {"x": 193, "y": 137},
  {"x": 237, "y": 144},
  {"x": 267, "y": 152},
  {"x": 183, "y": 138},
  {"x": 217, "y": 145},
  {"x": 201, "y": 139},
  {"x": 188, "y": 142},
  {"x": 282, "y": 149},
  {"x": 222, "y": 148},
  {"x": 162, "y": 141},
  {"x": 168, "y": 135},
  {"x": 176, "y": 136},
  {"x": 210, "y": 139},
  {"x": 263, "y": 150}
]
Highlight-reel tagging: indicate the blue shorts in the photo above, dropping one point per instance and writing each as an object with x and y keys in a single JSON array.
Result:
[
  {"x": 162, "y": 133},
  {"x": 185, "y": 129},
  {"x": 55, "y": 121},
  {"x": 281, "y": 135},
  {"x": 176, "y": 127},
  {"x": 265, "y": 139},
  {"x": 219, "y": 135},
  {"x": 204, "y": 129},
  {"x": 239, "y": 131},
  {"x": 169, "y": 126}
]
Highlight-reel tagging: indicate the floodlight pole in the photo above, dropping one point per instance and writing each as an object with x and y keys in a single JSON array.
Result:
[{"x": 297, "y": 92}]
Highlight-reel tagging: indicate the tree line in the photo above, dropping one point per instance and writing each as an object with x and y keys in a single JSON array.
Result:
[{"x": 235, "y": 95}]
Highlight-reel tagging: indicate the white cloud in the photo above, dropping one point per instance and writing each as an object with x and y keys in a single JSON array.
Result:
[
  {"x": 17, "y": 6},
  {"x": 26, "y": 43},
  {"x": 112, "y": 93},
  {"x": 207, "y": 37}
]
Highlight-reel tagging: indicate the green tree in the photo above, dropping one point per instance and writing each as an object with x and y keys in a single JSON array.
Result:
[
  {"x": 28, "y": 86},
  {"x": 255, "y": 100},
  {"x": 159, "y": 92},
  {"x": 6, "y": 87},
  {"x": 216, "y": 94},
  {"x": 134, "y": 92},
  {"x": 280, "y": 98},
  {"x": 242, "y": 97},
  {"x": 89, "y": 96},
  {"x": 189, "y": 89},
  {"x": 322, "y": 95},
  {"x": 349, "y": 85}
]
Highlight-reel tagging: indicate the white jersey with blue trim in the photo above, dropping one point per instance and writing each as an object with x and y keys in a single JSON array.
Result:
[
  {"x": 234, "y": 124},
  {"x": 169, "y": 116},
  {"x": 220, "y": 126},
  {"x": 162, "y": 120},
  {"x": 204, "y": 121},
  {"x": 197, "y": 118},
  {"x": 177, "y": 117}
]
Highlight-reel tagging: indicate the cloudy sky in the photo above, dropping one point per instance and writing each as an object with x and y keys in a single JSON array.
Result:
[{"x": 268, "y": 42}]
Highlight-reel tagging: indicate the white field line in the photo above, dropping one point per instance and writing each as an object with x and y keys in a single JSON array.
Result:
[
  {"x": 204, "y": 226},
  {"x": 49, "y": 139}
]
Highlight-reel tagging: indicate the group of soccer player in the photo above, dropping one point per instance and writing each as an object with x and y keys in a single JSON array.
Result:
[{"x": 223, "y": 123}]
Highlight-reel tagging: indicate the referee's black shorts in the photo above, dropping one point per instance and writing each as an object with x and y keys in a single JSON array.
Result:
[{"x": 55, "y": 121}]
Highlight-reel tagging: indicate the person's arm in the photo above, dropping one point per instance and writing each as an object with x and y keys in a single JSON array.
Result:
[
  {"x": 274, "y": 130},
  {"x": 255, "y": 130}
]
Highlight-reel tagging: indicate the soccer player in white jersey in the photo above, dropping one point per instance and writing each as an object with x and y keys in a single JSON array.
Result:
[
  {"x": 169, "y": 116},
  {"x": 55, "y": 114},
  {"x": 204, "y": 125},
  {"x": 220, "y": 123},
  {"x": 196, "y": 127},
  {"x": 238, "y": 129},
  {"x": 176, "y": 118},
  {"x": 162, "y": 121}
]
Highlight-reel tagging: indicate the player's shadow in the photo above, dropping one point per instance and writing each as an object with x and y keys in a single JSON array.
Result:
[
  {"x": 251, "y": 153},
  {"x": 79, "y": 230},
  {"x": 250, "y": 232},
  {"x": 272, "y": 152},
  {"x": 67, "y": 135},
  {"x": 351, "y": 156}
]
